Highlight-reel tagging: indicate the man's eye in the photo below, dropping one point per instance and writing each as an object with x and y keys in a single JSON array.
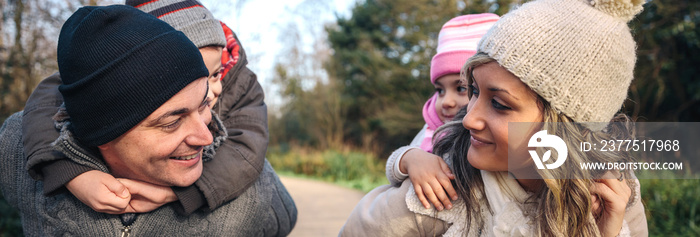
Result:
[{"x": 171, "y": 126}]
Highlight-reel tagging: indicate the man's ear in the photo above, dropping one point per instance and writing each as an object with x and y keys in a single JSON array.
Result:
[{"x": 105, "y": 147}]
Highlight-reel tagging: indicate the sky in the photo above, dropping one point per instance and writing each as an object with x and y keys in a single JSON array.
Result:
[{"x": 260, "y": 23}]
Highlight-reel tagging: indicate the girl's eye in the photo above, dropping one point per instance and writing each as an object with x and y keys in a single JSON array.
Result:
[
  {"x": 461, "y": 89},
  {"x": 473, "y": 91},
  {"x": 440, "y": 91},
  {"x": 499, "y": 106}
]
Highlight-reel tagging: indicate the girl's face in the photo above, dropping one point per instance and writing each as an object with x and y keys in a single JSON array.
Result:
[
  {"x": 212, "y": 59},
  {"x": 497, "y": 97},
  {"x": 452, "y": 96}
]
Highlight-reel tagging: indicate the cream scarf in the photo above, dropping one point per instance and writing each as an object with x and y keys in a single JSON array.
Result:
[{"x": 505, "y": 196}]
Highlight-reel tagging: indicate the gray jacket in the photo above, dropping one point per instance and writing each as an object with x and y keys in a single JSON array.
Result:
[
  {"x": 263, "y": 209},
  {"x": 236, "y": 166}
]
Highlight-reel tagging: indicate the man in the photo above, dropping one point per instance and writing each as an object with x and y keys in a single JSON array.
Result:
[{"x": 135, "y": 94}]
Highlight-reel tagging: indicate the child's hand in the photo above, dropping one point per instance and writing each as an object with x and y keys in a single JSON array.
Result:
[
  {"x": 100, "y": 191},
  {"x": 609, "y": 199},
  {"x": 430, "y": 176},
  {"x": 146, "y": 197}
]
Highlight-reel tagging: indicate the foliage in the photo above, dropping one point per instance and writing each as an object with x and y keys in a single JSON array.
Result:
[
  {"x": 353, "y": 169},
  {"x": 10, "y": 224},
  {"x": 667, "y": 82},
  {"x": 28, "y": 37},
  {"x": 376, "y": 76},
  {"x": 671, "y": 205},
  {"x": 382, "y": 56}
]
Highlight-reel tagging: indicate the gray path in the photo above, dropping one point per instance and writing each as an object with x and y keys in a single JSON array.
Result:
[{"x": 323, "y": 207}]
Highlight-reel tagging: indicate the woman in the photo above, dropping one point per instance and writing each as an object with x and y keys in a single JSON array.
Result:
[{"x": 547, "y": 61}]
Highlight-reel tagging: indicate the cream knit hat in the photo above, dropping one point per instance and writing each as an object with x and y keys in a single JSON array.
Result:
[{"x": 578, "y": 55}]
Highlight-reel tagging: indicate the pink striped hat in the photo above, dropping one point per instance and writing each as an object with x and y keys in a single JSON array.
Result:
[{"x": 457, "y": 42}]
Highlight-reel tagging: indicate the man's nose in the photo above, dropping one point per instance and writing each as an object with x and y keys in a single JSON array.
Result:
[{"x": 200, "y": 134}]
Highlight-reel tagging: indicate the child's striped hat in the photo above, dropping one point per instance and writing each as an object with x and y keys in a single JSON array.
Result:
[
  {"x": 457, "y": 42},
  {"x": 188, "y": 16}
]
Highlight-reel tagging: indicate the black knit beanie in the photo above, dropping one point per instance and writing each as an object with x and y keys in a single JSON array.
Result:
[{"x": 118, "y": 65}]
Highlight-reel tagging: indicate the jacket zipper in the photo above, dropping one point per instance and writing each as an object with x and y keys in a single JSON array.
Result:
[
  {"x": 127, "y": 219},
  {"x": 70, "y": 148},
  {"x": 126, "y": 231}
]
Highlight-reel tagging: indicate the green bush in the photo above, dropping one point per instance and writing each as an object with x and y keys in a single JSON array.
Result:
[
  {"x": 352, "y": 169},
  {"x": 672, "y": 205},
  {"x": 10, "y": 223}
]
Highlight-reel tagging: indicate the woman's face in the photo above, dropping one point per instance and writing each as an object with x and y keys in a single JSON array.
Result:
[
  {"x": 212, "y": 59},
  {"x": 452, "y": 96},
  {"x": 497, "y": 97}
]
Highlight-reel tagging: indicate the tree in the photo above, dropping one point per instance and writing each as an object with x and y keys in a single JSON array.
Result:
[
  {"x": 381, "y": 55},
  {"x": 28, "y": 46},
  {"x": 667, "y": 83},
  {"x": 312, "y": 114}
]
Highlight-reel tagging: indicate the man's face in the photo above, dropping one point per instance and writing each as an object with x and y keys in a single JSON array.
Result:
[{"x": 166, "y": 147}]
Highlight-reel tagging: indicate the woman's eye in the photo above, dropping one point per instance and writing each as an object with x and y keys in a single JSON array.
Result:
[
  {"x": 473, "y": 91},
  {"x": 499, "y": 106}
]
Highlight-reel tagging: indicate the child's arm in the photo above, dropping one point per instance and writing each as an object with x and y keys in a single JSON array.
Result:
[
  {"x": 430, "y": 176},
  {"x": 393, "y": 173},
  {"x": 101, "y": 191},
  {"x": 38, "y": 132}
]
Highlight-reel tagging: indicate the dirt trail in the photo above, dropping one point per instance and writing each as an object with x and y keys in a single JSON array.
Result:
[{"x": 323, "y": 207}]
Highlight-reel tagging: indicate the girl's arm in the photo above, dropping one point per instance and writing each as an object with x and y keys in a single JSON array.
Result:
[
  {"x": 430, "y": 175},
  {"x": 393, "y": 173}
]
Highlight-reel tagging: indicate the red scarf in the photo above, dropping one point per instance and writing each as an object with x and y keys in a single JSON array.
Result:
[{"x": 230, "y": 55}]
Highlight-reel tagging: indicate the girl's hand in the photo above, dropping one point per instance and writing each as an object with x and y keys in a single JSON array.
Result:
[
  {"x": 430, "y": 176},
  {"x": 146, "y": 197},
  {"x": 609, "y": 198},
  {"x": 100, "y": 191}
]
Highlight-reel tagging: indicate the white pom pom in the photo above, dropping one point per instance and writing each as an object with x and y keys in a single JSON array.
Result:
[{"x": 625, "y": 9}]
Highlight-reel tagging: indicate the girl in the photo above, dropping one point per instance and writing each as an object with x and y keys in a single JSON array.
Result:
[
  {"x": 550, "y": 61},
  {"x": 456, "y": 43}
]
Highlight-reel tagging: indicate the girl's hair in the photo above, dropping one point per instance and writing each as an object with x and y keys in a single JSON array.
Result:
[{"x": 563, "y": 205}]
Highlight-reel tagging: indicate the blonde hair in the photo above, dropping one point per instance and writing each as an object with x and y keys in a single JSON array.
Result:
[{"x": 561, "y": 206}]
